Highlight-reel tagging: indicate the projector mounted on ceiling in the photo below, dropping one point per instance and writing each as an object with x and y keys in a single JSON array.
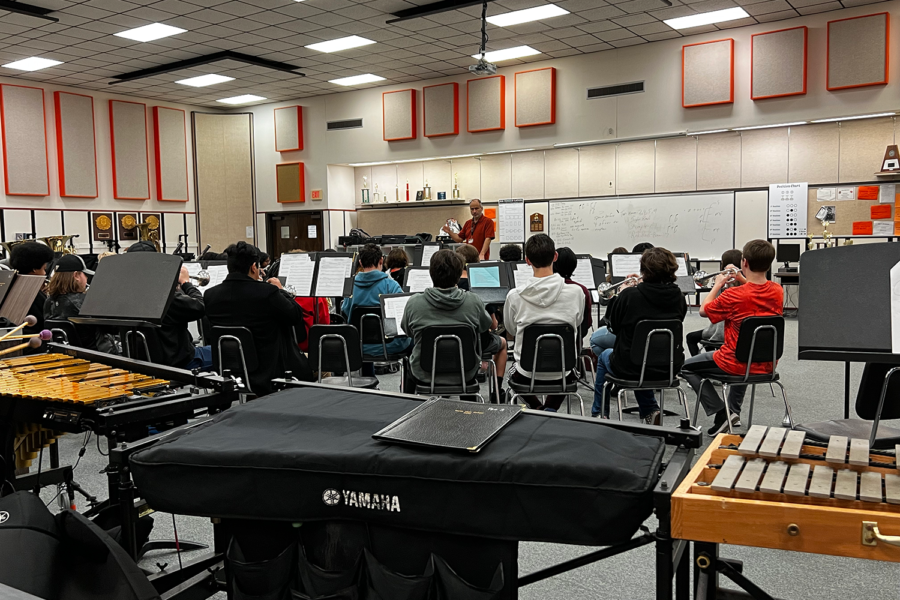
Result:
[{"x": 483, "y": 67}]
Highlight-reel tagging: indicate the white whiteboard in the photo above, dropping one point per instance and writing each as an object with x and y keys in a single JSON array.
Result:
[{"x": 699, "y": 224}]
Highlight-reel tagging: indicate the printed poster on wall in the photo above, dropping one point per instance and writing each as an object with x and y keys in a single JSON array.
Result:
[{"x": 787, "y": 210}]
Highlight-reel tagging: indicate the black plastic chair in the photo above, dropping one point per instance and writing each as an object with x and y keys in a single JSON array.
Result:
[
  {"x": 877, "y": 399},
  {"x": 336, "y": 348},
  {"x": 141, "y": 344},
  {"x": 654, "y": 347},
  {"x": 234, "y": 350},
  {"x": 549, "y": 349},
  {"x": 448, "y": 351},
  {"x": 64, "y": 332},
  {"x": 761, "y": 340},
  {"x": 367, "y": 321}
]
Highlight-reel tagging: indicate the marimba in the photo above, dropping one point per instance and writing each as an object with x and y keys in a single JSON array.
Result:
[{"x": 771, "y": 488}]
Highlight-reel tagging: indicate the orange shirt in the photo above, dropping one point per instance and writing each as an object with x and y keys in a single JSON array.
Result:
[
  {"x": 733, "y": 306},
  {"x": 475, "y": 234}
]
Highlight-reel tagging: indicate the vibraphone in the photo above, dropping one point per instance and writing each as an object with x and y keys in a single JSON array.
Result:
[{"x": 771, "y": 488}]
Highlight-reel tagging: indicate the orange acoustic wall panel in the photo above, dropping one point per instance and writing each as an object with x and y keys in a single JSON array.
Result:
[
  {"x": 26, "y": 168},
  {"x": 76, "y": 147},
  {"x": 778, "y": 63},
  {"x": 170, "y": 133},
  {"x": 290, "y": 182},
  {"x": 535, "y": 93},
  {"x": 440, "y": 109},
  {"x": 288, "y": 129},
  {"x": 858, "y": 50},
  {"x": 707, "y": 73},
  {"x": 486, "y": 103},
  {"x": 128, "y": 144},
  {"x": 398, "y": 112}
]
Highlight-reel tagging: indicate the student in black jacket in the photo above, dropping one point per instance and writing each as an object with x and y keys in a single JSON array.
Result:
[
  {"x": 33, "y": 258},
  {"x": 266, "y": 310},
  {"x": 656, "y": 297}
]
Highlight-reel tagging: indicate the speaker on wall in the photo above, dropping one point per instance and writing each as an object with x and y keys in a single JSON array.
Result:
[
  {"x": 25, "y": 165},
  {"x": 170, "y": 154},
  {"x": 288, "y": 129},
  {"x": 440, "y": 109},
  {"x": 858, "y": 51},
  {"x": 76, "y": 148},
  {"x": 778, "y": 63},
  {"x": 290, "y": 182},
  {"x": 486, "y": 103},
  {"x": 535, "y": 97},
  {"x": 707, "y": 73},
  {"x": 399, "y": 115},
  {"x": 128, "y": 142}
]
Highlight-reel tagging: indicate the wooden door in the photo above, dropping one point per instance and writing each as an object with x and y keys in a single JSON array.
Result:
[{"x": 294, "y": 231}]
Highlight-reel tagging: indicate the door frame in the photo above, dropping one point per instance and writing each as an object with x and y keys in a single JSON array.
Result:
[{"x": 271, "y": 234}]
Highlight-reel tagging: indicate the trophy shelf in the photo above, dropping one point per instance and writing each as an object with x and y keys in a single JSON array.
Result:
[{"x": 412, "y": 204}]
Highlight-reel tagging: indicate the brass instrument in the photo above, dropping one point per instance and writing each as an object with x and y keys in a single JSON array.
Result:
[
  {"x": 702, "y": 278},
  {"x": 608, "y": 290},
  {"x": 60, "y": 244},
  {"x": 149, "y": 232},
  {"x": 8, "y": 246},
  {"x": 202, "y": 278}
]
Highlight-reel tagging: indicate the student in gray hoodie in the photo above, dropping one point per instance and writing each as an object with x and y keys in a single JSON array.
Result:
[{"x": 446, "y": 304}]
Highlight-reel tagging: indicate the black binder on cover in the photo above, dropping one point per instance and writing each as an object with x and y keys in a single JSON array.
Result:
[{"x": 452, "y": 424}]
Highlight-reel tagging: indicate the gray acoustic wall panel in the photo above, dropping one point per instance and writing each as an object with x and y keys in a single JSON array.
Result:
[
  {"x": 486, "y": 103},
  {"x": 288, "y": 128},
  {"x": 128, "y": 140},
  {"x": 707, "y": 73},
  {"x": 170, "y": 154},
  {"x": 858, "y": 51},
  {"x": 76, "y": 150},
  {"x": 778, "y": 63},
  {"x": 536, "y": 97},
  {"x": 399, "y": 115},
  {"x": 440, "y": 109},
  {"x": 24, "y": 141}
]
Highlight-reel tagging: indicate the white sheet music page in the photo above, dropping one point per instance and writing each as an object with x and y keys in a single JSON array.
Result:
[
  {"x": 623, "y": 265},
  {"x": 217, "y": 274},
  {"x": 333, "y": 270},
  {"x": 418, "y": 280},
  {"x": 427, "y": 253},
  {"x": 895, "y": 309},
  {"x": 584, "y": 274},
  {"x": 297, "y": 269},
  {"x": 523, "y": 274},
  {"x": 682, "y": 267},
  {"x": 192, "y": 268},
  {"x": 394, "y": 308}
]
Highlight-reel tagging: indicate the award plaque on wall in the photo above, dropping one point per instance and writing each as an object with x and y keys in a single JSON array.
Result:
[
  {"x": 127, "y": 226},
  {"x": 101, "y": 224},
  {"x": 537, "y": 222}
]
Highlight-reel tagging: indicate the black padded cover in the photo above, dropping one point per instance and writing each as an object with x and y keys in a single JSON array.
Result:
[{"x": 308, "y": 454}]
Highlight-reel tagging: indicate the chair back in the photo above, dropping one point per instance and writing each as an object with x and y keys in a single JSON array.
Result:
[
  {"x": 871, "y": 386},
  {"x": 761, "y": 340},
  {"x": 233, "y": 349},
  {"x": 655, "y": 345},
  {"x": 334, "y": 348},
  {"x": 550, "y": 349},
  {"x": 141, "y": 344},
  {"x": 448, "y": 351},
  {"x": 63, "y": 331},
  {"x": 367, "y": 321}
]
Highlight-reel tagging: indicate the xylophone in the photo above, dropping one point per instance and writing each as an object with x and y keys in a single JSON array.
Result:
[{"x": 771, "y": 488}]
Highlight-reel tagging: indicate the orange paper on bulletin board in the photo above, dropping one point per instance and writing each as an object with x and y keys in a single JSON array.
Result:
[
  {"x": 880, "y": 211},
  {"x": 896, "y": 228},
  {"x": 491, "y": 213},
  {"x": 862, "y": 228},
  {"x": 867, "y": 192}
]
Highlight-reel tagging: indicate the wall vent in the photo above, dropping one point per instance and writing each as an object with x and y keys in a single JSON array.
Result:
[
  {"x": 621, "y": 89},
  {"x": 346, "y": 124}
]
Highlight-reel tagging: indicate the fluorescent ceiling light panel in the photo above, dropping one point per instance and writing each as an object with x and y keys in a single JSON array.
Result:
[
  {"x": 717, "y": 16},
  {"x": 148, "y": 33},
  {"x": 205, "y": 80},
  {"x": 705, "y": 132},
  {"x": 35, "y": 63},
  {"x": 357, "y": 79},
  {"x": 508, "y": 53},
  {"x": 344, "y": 43},
  {"x": 769, "y": 126},
  {"x": 241, "y": 99},
  {"x": 538, "y": 13},
  {"x": 887, "y": 114}
]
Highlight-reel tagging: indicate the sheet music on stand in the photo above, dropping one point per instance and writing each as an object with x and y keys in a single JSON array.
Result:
[
  {"x": 682, "y": 266},
  {"x": 331, "y": 271},
  {"x": 393, "y": 308},
  {"x": 217, "y": 274},
  {"x": 428, "y": 250},
  {"x": 623, "y": 265},
  {"x": 297, "y": 269},
  {"x": 584, "y": 273},
  {"x": 523, "y": 274},
  {"x": 418, "y": 280}
]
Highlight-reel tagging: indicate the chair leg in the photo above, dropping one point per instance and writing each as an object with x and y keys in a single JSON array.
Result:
[
  {"x": 580, "y": 403},
  {"x": 683, "y": 398},
  {"x": 772, "y": 389},
  {"x": 619, "y": 400},
  {"x": 662, "y": 406},
  {"x": 604, "y": 400},
  {"x": 727, "y": 408},
  {"x": 699, "y": 392},
  {"x": 481, "y": 398},
  {"x": 787, "y": 407},
  {"x": 752, "y": 398},
  {"x": 512, "y": 398},
  {"x": 568, "y": 404}
]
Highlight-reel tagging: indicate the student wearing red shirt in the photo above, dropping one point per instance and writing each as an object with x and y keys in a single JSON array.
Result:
[
  {"x": 478, "y": 231},
  {"x": 756, "y": 297}
]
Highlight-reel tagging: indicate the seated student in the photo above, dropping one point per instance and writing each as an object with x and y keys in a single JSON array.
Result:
[
  {"x": 266, "y": 310},
  {"x": 714, "y": 332},
  {"x": 641, "y": 247},
  {"x": 264, "y": 260},
  {"x": 603, "y": 339},
  {"x": 447, "y": 304},
  {"x": 565, "y": 265},
  {"x": 755, "y": 297},
  {"x": 65, "y": 295},
  {"x": 396, "y": 264},
  {"x": 546, "y": 300},
  {"x": 369, "y": 285},
  {"x": 510, "y": 253},
  {"x": 469, "y": 256},
  {"x": 32, "y": 258},
  {"x": 656, "y": 297}
]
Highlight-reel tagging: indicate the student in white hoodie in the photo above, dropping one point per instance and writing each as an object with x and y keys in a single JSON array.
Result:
[{"x": 546, "y": 300}]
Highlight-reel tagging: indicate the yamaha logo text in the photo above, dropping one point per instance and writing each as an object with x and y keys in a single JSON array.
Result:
[{"x": 367, "y": 500}]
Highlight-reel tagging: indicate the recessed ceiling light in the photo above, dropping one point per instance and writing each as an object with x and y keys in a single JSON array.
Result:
[
  {"x": 705, "y": 132},
  {"x": 537, "y": 13},
  {"x": 148, "y": 33},
  {"x": 35, "y": 63},
  {"x": 344, "y": 43},
  {"x": 357, "y": 79},
  {"x": 508, "y": 53},
  {"x": 205, "y": 80},
  {"x": 887, "y": 114},
  {"x": 717, "y": 16},
  {"x": 768, "y": 126},
  {"x": 246, "y": 98}
]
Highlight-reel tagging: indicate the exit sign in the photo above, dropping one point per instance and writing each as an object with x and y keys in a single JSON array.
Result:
[{"x": 315, "y": 194}]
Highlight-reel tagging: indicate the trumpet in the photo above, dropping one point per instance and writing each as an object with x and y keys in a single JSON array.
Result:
[
  {"x": 702, "y": 277},
  {"x": 202, "y": 278},
  {"x": 608, "y": 290}
]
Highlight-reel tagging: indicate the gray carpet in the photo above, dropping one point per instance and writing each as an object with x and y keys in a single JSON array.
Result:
[{"x": 815, "y": 392}]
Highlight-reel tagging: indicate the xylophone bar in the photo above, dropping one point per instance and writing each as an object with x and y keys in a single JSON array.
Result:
[{"x": 778, "y": 442}]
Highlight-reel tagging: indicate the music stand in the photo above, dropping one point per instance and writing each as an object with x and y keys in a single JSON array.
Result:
[{"x": 18, "y": 293}]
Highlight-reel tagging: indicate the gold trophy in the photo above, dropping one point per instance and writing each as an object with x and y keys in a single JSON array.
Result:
[
  {"x": 456, "y": 195},
  {"x": 376, "y": 197},
  {"x": 365, "y": 190},
  {"x": 426, "y": 191}
]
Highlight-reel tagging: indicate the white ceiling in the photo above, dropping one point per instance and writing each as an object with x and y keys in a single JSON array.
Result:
[{"x": 414, "y": 50}]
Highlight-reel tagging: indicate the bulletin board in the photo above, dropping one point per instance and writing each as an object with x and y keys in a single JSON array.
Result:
[{"x": 846, "y": 213}]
